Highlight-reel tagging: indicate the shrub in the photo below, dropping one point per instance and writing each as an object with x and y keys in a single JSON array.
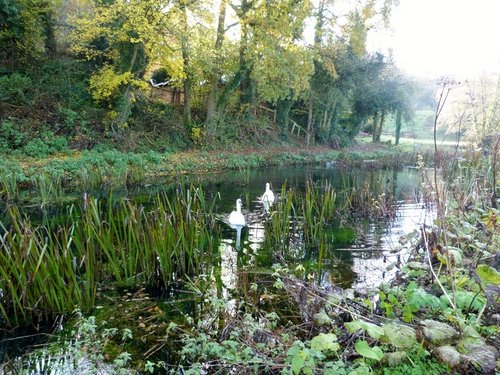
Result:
[
  {"x": 11, "y": 138},
  {"x": 14, "y": 89},
  {"x": 44, "y": 145}
]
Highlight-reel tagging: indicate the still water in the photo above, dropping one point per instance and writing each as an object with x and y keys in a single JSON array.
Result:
[{"x": 361, "y": 252}]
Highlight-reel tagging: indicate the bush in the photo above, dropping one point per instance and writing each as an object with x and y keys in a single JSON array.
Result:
[
  {"x": 14, "y": 89},
  {"x": 44, "y": 145},
  {"x": 11, "y": 138}
]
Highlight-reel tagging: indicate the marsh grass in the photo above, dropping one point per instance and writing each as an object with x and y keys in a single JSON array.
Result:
[
  {"x": 299, "y": 217},
  {"x": 39, "y": 275},
  {"x": 49, "y": 189},
  {"x": 9, "y": 187},
  {"x": 46, "y": 271},
  {"x": 374, "y": 200}
]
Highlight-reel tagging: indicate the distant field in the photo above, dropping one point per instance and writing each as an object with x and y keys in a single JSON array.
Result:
[
  {"x": 406, "y": 141},
  {"x": 418, "y": 131}
]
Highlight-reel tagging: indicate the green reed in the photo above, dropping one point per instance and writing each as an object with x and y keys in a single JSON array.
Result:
[
  {"x": 373, "y": 200},
  {"x": 38, "y": 272},
  {"x": 301, "y": 216},
  {"x": 49, "y": 188},
  {"x": 9, "y": 187},
  {"x": 44, "y": 272}
]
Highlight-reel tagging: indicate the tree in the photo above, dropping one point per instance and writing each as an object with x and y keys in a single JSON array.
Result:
[
  {"x": 340, "y": 49},
  {"x": 26, "y": 30},
  {"x": 118, "y": 36},
  {"x": 272, "y": 63}
]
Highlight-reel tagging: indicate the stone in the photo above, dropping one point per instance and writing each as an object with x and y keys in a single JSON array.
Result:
[
  {"x": 448, "y": 355},
  {"x": 483, "y": 357},
  {"x": 437, "y": 333}
]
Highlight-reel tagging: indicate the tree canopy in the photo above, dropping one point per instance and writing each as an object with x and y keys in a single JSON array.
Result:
[{"x": 306, "y": 61}]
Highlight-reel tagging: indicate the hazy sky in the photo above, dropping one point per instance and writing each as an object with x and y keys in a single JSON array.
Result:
[{"x": 431, "y": 38}]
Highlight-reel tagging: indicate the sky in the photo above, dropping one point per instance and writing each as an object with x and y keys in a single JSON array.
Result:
[{"x": 432, "y": 38}]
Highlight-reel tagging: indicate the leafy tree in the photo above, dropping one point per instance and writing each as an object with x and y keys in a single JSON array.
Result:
[
  {"x": 118, "y": 36},
  {"x": 337, "y": 96},
  {"x": 26, "y": 30},
  {"x": 272, "y": 63}
]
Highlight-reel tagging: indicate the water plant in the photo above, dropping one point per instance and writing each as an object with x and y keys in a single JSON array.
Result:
[
  {"x": 301, "y": 217},
  {"x": 9, "y": 188},
  {"x": 44, "y": 272},
  {"x": 39, "y": 272}
]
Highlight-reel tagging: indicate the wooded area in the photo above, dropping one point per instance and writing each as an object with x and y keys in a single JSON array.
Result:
[{"x": 82, "y": 69}]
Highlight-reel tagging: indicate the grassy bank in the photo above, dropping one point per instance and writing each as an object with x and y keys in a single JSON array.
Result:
[{"x": 111, "y": 167}]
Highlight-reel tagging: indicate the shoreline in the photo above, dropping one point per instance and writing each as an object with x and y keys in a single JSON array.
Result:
[{"x": 112, "y": 167}]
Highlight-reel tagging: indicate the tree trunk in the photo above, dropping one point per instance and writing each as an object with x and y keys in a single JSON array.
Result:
[
  {"x": 374, "y": 130},
  {"x": 124, "y": 110},
  {"x": 188, "y": 82},
  {"x": 211, "y": 101},
  {"x": 309, "y": 120},
  {"x": 246, "y": 85},
  {"x": 399, "y": 121},
  {"x": 379, "y": 130},
  {"x": 282, "y": 110}
]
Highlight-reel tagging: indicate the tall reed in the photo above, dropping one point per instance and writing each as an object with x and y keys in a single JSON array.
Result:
[
  {"x": 301, "y": 217},
  {"x": 9, "y": 187},
  {"x": 38, "y": 272},
  {"x": 46, "y": 271}
]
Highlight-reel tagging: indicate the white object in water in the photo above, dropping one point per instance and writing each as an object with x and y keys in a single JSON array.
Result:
[
  {"x": 236, "y": 217},
  {"x": 268, "y": 197}
]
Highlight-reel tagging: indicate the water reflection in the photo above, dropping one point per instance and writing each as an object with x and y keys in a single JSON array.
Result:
[{"x": 362, "y": 254}]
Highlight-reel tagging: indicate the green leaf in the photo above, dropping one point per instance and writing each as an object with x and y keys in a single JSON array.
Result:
[
  {"x": 418, "y": 298},
  {"x": 325, "y": 342},
  {"x": 372, "y": 329},
  {"x": 455, "y": 253},
  {"x": 364, "y": 349},
  {"x": 322, "y": 319},
  {"x": 488, "y": 274},
  {"x": 399, "y": 335},
  {"x": 297, "y": 363}
]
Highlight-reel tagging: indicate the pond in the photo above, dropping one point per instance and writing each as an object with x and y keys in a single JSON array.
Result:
[{"x": 359, "y": 248}]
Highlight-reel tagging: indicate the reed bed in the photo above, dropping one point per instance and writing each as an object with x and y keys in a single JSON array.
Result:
[
  {"x": 9, "y": 187},
  {"x": 45, "y": 272},
  {"x": 373, "y": 199},
  {"x": 301, "y": 217}
]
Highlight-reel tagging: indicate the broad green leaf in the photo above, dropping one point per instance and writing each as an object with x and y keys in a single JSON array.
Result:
[
  {"x": 418, "y": 298},
  {"x": 297, "y": 363},
  {"x": 325, "y": 342},
  {"x": 364, "y": 349},
  {"x": 372, "y": 329},
  {"x": 456, "y": 254},
  {"x": 464, "y": 299},
  {"x": 322, "y": 319},
  {"x": 488, "y": 274},
  {"x": 399, "y": 335},
  {"x": 438, "y": 332}
]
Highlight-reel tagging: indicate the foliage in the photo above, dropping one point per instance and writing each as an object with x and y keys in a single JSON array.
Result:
[
  {"x": 85, "y": 351},
  {"x": 107, "y": 51},
  {"x": 46, "y": 144},
  {"x": 45, "y": 273},
  {"x": 43, "y": 144},
  {"x": 14, "y": 89},
  {"x": 407, "y": 302}
]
